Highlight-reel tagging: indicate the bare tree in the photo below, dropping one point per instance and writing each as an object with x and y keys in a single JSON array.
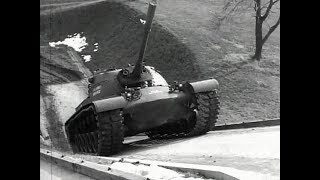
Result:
[
  {"x": 262, "y": 11},
  {"x": 260, "y": 40}
]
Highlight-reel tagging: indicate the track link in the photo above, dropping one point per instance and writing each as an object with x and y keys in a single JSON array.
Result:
[
  {"x": 100, "y": 134},
  {"x": 110, "y": 133},
  {"x": 203, "y": 120}
]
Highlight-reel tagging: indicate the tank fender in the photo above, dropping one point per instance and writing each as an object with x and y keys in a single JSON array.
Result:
[
  {"x": 202, "y": 86},
  {"x": 109, "y": 104}
]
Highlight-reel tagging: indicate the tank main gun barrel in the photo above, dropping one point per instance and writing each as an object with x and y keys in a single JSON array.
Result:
[{"x": 150, "y": 14}]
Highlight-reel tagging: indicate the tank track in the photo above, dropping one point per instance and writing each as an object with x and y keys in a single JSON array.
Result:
[
  {"x": 100, "y": 134},
  {"x": 207, "y": 107}
]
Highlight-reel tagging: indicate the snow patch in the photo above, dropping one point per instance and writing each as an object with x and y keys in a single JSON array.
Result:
[
  {"x": 66, "y": 97},
  {"x": 96, "y": 47},
  {"x": 152, "y": 172},
  {"x": 86, "y": 58},
  {"x": 142, "y": 21},
  {"x": 76, "y": 41},
  {"x": 264, "y": 143}
]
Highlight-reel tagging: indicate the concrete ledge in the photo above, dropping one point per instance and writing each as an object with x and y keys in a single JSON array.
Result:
[
  {"x": 99, "y": 168},
  {"x": 249, "y": 124},
  {"x": 216, "y": 172},
  {"x": 87, "y": 168},
  {"x": 208, "y": 171}
]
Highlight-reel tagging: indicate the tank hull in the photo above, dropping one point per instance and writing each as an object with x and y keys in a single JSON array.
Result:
[{"x": 155, "y": 107}]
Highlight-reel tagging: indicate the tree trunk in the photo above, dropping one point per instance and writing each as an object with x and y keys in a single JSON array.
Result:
[
  {"x": 259, "y": 40},
  {"x": 258, "y": 31}
]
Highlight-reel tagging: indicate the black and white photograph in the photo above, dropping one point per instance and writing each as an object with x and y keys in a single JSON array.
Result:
[{"x": 160, "y": 89}]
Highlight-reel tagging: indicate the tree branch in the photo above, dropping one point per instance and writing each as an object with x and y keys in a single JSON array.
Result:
[
  {"x": 235, "y": 6},
  {"x": 258, "y": 9},
  {"x": 275, "y": 1},
  {"x": 267, "y": 11},
  {"x": 274, "y": 27},
  {"x": 265, "y": 6},
  {"x": 226, "y": 6},
  {"x": 255, "y": 5},
  {"x": 271, "y": 3},
  {"x": 232, "y": 10}
]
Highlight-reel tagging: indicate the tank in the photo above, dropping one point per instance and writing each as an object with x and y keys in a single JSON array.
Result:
[{"x": 137, "y": 99}]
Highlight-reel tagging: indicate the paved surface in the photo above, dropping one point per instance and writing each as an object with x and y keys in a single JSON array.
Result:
[
  {"x": 50, "y": 171},
  {"x": 254, "y": 149}
]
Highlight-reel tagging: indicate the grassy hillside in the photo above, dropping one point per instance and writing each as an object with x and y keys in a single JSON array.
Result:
[{"x": 249, "y": 90}]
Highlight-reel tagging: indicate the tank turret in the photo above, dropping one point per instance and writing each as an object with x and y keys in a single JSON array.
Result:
[{"x": 133, "y": 75}]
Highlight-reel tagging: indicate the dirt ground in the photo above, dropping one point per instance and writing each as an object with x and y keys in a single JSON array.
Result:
[{"x": 185, "y": 44}]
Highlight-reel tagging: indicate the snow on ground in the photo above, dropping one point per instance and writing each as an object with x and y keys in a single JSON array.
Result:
[
  {"x": 78, "y": 42},
  {"x": 57, "y": 108},
  {"x": 253, "y": 149},
  {"x": 96, "y": 47},
  {"x": 67, "y": 97},
  {"x": 86, "y": 58},
  {"x": 75, "y": 41},
  {"x": 152, "y": 172},
  {"x": 264, "y": 143}
]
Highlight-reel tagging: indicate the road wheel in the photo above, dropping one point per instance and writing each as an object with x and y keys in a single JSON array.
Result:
[{"x": 206, "y": 113}]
